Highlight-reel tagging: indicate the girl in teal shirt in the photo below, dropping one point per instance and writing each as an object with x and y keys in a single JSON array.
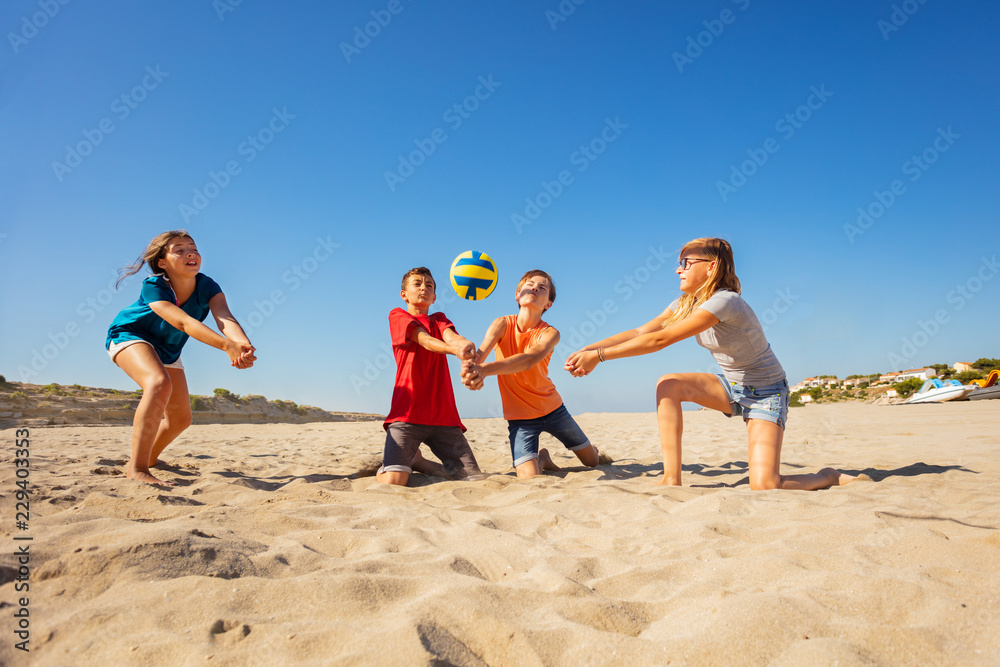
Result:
[{"x": 146, "y": 338}]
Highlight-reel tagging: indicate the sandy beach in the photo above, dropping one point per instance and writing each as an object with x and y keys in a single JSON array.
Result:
[{"x": 272, "y": 551}]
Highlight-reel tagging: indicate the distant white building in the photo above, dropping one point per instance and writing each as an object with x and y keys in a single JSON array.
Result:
[
  {"x": 808, "y": 383},
  {"x": 805, "y": 398},
  {"x": 891, "y": 393},
  {"x": 962, "y": 366},
  {"x": 921, "y": 373}
]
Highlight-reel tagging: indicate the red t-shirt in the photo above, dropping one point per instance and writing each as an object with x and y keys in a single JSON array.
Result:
[{"x": 423, "y": 393}]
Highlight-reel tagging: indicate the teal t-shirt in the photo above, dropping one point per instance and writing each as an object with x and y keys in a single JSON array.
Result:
[{"x": 139, "y": 322}]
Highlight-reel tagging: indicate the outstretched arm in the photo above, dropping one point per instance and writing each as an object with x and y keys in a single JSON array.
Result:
[
  {"x": 493, "y": 335},
  {"x": 231, "y": 329},
  {"x": 463, "y": 348},
  {"x": 692, "y": 325},
  {"x": 473, "y": 374},
  {"x": 181, "y": 321},
  {"x": 655, "y": 324},
  {"x": 516, "y": 363},
  {"x": 452, "y": 343}
]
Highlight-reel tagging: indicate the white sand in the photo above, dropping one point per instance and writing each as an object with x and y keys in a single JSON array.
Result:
[{"x": 269, "y": 553}]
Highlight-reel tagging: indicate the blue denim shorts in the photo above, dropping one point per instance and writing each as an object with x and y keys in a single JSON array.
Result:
[
  {"x": 769, "y": 403},
  {"x": 558, "y": 423}
]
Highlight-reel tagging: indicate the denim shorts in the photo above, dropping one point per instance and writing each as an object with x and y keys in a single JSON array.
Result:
[
  {"x": 769, "y": 403},
  {"x": 558, "y": 423}
]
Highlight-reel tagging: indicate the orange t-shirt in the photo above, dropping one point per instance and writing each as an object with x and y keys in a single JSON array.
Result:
[{"x": 529, "y": 394}]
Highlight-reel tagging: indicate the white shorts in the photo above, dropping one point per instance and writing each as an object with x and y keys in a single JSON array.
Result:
[{"x": 115, "y": 348}]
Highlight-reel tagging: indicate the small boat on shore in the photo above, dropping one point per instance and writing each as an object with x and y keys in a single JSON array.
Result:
[
  {"x": 937, "y": 391},
  {"x": 978, "y": 394},
  {"x": 986, "y": 388}
]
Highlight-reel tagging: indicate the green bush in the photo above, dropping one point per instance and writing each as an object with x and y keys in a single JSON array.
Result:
[
  {"x": 816, "y": 393},
  {"x": 907, "y": 387},
  {"x": 54, "y": 389},
  {"x": 289, "y": 406},
  {"x": 199, "y": 403},
  {"x": 19, "y": 395},
  {"x": 985, "y": 364},
  {"x": 228, "y": 395},
  {"x": 965, "y": 377},
  {"x": 944, "y": 371},
  {"x": 793, "y": 400}
]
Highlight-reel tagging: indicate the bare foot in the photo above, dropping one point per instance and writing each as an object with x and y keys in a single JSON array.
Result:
[
  {"x": 420, "y": 464},
  {"x": 839, "y": 478},
  {"x": 545, "y": 460},
  {"x": 665, "y": 482},
  {"x": 147, "y": 477}
]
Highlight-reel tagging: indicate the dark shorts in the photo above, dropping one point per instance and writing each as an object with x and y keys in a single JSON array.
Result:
[
  {"x": 448, "y": 443},
  {"x": 558, "y": 423}
]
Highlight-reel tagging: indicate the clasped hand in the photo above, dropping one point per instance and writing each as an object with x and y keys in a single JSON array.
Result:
[
  {"x": 581, "y": 363},
  {"x": 246, "y": 357}
]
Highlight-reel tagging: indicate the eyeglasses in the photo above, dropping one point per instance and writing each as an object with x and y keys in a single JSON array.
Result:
[{"x": 686, "y": 263}]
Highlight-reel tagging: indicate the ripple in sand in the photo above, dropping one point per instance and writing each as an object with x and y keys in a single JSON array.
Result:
[{"x": 445, "y": 647}]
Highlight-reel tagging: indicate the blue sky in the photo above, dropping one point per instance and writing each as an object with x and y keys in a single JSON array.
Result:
[{"x": 314, "y": 165}]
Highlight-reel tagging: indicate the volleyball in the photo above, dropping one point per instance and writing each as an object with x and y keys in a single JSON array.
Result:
[{"x": 473, "y": 275}]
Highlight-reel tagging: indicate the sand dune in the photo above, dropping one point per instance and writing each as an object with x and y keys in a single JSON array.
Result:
[{"x": 272, "y": 551}]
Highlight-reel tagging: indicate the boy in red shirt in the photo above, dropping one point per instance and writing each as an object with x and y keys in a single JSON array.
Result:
[
  {"x": 423, "y": 403},
  {"x": 531, "y": 404}
]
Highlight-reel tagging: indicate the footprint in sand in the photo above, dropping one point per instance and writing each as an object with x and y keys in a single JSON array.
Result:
[{"x": 228, "y": 632}]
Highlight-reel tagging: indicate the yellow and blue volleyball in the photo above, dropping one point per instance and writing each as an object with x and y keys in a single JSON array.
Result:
[{"x": 474, "y": 275}]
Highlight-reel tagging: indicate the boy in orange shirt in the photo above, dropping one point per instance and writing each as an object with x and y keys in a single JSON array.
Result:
[{"x": 531, "y": 404}]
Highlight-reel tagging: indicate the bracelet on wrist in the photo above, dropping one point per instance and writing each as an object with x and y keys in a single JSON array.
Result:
[{"x": 600, "y": 354}]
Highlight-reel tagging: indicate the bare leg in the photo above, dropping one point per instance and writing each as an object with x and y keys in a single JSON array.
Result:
[
  {"x": 701, "y": 388},
  {"x": 393, "y": 477},
  {"x": 589, "y": 456},
  {"x": 140, "y": 363},
  {"x": 534, "y": 467},
  {"x": 177, "y": 415},
  {"x": 765, "y": 462},
  {"x": 420, "y": 464}
]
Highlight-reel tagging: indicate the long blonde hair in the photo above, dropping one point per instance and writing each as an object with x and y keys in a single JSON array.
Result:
[
  {"x": 154, "y": 252},
  {"x": 722, "y": 277}
]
